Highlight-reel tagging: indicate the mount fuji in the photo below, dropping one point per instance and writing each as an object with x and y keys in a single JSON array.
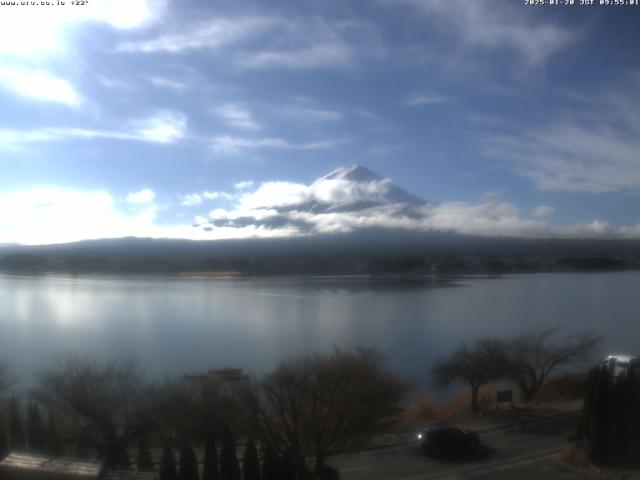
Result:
[{"x": 344, "y": 200}]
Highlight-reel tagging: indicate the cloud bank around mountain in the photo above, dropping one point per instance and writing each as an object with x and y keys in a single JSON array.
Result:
[{"x": 345, "y": 201}]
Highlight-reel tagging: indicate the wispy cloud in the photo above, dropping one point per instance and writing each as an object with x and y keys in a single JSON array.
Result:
[
  {"x": 39, "y": 85},
  {"x": 162, "y": 82},
  {"x": 238, "y": 145},
  {"x": 306, "y": 110},
  {"x": 164, "y": 127},
  {"x": 237, "y": 116},
  {"x": 266, "y": 42},
  {"x": 244, "y": 185},
  {"x": 331, "y": 55},
  {"x": 214, "y": 34},
  {"x": 494, "y": 25},
  {"x": 424, "y": 99},
  {"x": 572, "y": 157},
  {"x": 543, "y": 211}
]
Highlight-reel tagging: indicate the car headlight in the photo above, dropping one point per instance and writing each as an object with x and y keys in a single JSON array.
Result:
[{"x": 419, "y": 436}]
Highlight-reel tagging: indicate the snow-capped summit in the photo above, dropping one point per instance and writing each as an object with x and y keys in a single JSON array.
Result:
[
  {"x": 377, "y": 189},
  {"x": 353, "y": 173}
]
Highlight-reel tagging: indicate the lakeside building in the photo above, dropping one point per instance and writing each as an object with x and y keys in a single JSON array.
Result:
[
  {"x": 228, "y": 381},
  {"x": 23, "y": 466}
]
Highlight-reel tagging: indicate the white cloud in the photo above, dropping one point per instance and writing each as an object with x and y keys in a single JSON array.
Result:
[
  {"x": 423, "y": 99},
  {"x": 32, "y": 29},
  {"x": 162, "y": 82},
  {"x": 487, "y": 24},
  {"x": 237, "y": 116},
  {"x": 231, "y": 145},
  {"x": 39, "y": 85},
  {"x": 47, "y": 215},
  {"x": 572, "y": 157},
  {"x": 330, "y": 206},
  {"x": 543, "y": 211},
  {"x": 217, "y": 195},
  {"x": 307, "y": 111},
  {"x": 191, "y": 199},
  {"x": 244, "y": 185},
  {"x": 163, "y": 127},
  {"x": 141, "y": 197},
  {"x": 334, "y": 54},
  {"x": 270, "y": 42},
  {"x": 112, "y": 83},
  {"x": 213, "y": 34}
]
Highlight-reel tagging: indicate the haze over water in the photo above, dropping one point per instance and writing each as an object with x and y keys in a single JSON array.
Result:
[{"x": 172, "y": 325}]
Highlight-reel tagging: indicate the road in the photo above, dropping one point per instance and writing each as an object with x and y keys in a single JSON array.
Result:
[{"x": 515, "y": 452}]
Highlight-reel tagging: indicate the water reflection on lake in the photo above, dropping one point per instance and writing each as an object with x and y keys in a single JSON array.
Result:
[{"x": 172, "y": 325}]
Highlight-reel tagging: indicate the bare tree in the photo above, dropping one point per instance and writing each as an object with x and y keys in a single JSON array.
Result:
[
  {"x": 535, "y": 354},
  {"x": 104, "y": 401},
  {"x": 194, "y": 411},
  {"x": 476, "y": 365},
  {"x": 313, "y": 405}
]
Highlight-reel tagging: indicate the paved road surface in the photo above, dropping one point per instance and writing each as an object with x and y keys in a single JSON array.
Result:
[{"x": 522, "y": 453}]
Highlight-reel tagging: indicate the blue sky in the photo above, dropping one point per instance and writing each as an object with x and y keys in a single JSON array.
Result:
[{"x": 144, "y": 117}]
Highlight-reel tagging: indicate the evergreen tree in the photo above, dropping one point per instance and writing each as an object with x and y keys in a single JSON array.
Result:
[
  {"x": 36, "y": 433},
  {"x": 229, "y": 468},
  {"x": 54, "y": 444},
  {"x": 81, "y": 450},
  {"x": 144, "y": 460},
  {"x": 16, "y": 432},
  {"x": 210, "y": 468},
  {"x": 4, "y": 446},
  {"x": 600, "y": 418},
  {"x": 188, "y": 463},
  {"x": 250, "y": 464},
  {"x": 584, "y": 425},
  {"x": 269, "y": 464},
  {"x": 634, "y": 421},
  {"x": 286, "y": 470},
  {"x": 167, "y": 466},
  {"x": 124, "y": 460}
]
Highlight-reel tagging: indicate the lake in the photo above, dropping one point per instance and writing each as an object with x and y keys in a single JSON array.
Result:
[{"x": 176, "y": 324}]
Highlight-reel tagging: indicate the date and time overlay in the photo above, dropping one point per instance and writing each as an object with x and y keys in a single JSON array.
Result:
[{"x": 551, "y": 3}]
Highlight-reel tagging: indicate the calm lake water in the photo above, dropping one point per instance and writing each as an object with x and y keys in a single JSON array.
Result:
[{"x": 172, "y": 325}]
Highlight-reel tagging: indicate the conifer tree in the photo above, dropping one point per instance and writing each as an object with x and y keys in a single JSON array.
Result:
[
  {"x": 250, "y": 464},
  {"x": 124, "y": 460},
  {"x": 269, "y": 463},
  {"x": 54, "y": 444},
  {"x": 144, "y": 459},
  {"x": 167, "y": 466},
  {"x": 16, "y": 431},
  {"x": 601, "y": 417},
  {"x": 634, "y": 421},
  {"x": 229, "y": 468},
  {"x": 81, "y": 450},
  {"x": 188, "y": 463},
  {"x": 286, "y": 467},
  {"x": 210, "y": 468},
  {"x": 36, "y": 433}
]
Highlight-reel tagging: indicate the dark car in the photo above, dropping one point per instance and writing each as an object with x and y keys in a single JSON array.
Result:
[{"x": 448, "y": 441}]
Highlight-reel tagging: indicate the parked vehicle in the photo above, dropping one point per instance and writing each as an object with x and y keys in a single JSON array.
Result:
[{"x": 442, "y": 440}]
